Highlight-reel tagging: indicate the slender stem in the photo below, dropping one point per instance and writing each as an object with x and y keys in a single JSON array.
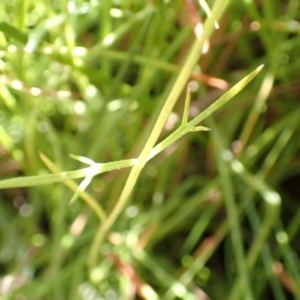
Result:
[
  {"x": 91, "y": 171},
  {"x": 189, "y": 127},
  {"x": 89, "y": 200},
  {"x": 185, "y": 116},
  {"x": 182, "y": 78}
]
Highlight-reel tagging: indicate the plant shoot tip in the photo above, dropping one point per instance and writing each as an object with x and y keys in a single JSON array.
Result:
[
  {"x": 261, "y": 66},
  {"x": 41, "y": 154}
]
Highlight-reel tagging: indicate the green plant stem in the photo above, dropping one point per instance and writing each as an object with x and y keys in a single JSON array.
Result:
[
  {"x": 189, "y": 127},
  {"x": 95, "y": 169},
  {"x": 187, "y": 68},
  {"x": 89, "y": 200}
]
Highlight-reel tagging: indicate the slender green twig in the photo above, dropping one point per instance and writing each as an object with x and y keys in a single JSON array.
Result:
[
  {"x": 182, "y": 130},
  {"x": 186, "y": 106},
  {"x": 91, "y": 171},
  {"x": 190, "y": 126},
  {"x": 182, "y": 78}
]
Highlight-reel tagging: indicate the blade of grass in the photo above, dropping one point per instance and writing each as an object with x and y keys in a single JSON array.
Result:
[
  {"x": 272, "y": 201},
  {"x": 13, "y": 32},
  {"x": 267, "y": 255},
  {"x": 232, "y": 213}
]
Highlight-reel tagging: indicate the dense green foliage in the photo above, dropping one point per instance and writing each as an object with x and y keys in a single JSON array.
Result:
[{"x": 214, "y": 214}]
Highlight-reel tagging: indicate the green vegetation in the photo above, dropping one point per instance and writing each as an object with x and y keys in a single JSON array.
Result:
[{"x": 134, "y": 166}]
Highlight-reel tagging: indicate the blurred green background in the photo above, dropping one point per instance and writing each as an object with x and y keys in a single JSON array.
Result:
[{"x": 214, "y": 216}]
